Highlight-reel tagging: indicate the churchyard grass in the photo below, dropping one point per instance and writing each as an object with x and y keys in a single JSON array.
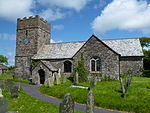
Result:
[
  {"x": 6, "y": 76},
  {"x": 28, "y": 104},
  {"x": 108, "y": 94}
]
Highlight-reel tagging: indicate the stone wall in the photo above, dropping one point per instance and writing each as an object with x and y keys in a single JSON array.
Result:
[
  {"x": 134, "y": 64},
  {"x": 109, "y": 59}
]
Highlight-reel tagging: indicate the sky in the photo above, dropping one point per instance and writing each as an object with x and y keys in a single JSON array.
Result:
[{"x": 76, "y": 20}]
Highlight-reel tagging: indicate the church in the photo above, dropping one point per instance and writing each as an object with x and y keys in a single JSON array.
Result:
[{"x": 37, "y": 58}]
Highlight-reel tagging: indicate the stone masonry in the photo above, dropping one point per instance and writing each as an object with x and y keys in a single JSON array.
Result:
[{"x": 32, "y": 33}]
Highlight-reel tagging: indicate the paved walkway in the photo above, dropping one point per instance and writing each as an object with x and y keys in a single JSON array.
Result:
[{"x": 32, "y": 90}]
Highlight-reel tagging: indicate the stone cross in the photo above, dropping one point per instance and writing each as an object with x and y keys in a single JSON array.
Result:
[
  {"x": 14, "y": 92},
  {"x": 57, "y": 78},
  {"x": 64, "y": 78},
  {"x": 3, "y": 105},
  {"x": 90, "y": 102},
  {"x": 1, "y": 95},
  {"x": 67, "y": 105},
  {"x": 76, "y": 78},
  {"x": 92, "y": 83}
]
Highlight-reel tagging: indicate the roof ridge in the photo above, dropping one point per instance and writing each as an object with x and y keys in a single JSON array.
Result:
[
  {"x": 119, "y": 39},
  {"x": 69, "y": 42}
]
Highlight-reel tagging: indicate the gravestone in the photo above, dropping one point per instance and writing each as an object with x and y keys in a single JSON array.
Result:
[
  {"x": 14, "y": 92},
  {"x": 67, "y": 105},
  {"x": 1, "y": 95},
  {"x": 59, "y": 73},
  {"x": 64, "y": 78},
  {"x": 57, "y": 78},
  {"x": 9, "y": 84},
  {"x": 51, "y": 81},
  {"x": 77, "y": 78},
  {"x": 90, "y": 102},
  {"x": 46, "y": 83},
  {"x": 2, "y": 84},
  {"x": 3, "y": 105}
]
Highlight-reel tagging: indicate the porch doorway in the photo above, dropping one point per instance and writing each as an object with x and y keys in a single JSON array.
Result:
[{"x": 42, "y": 76}]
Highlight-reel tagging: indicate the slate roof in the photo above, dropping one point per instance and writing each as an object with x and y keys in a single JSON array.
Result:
[
  {"x": 49, "y": 65},
  {"x": 58, "y": 50},
  {"x": 125, "y": 47},
  {"x": 3, "y": 67}
]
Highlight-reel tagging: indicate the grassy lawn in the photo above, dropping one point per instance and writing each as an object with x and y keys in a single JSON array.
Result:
[
  {"x": 5, "y": 77},
  {"x": 108, "y": 94},
  {"x": 28, "y": 104}
]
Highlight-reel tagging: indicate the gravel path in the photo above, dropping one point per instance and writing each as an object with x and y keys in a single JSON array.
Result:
[{"x": 32, "y": 90}]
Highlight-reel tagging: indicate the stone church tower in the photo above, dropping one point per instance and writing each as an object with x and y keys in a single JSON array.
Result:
[{"x": 32, "y": 33}]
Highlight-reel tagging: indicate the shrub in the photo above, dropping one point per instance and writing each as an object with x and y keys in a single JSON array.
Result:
[{"x": 82, "y": 70}]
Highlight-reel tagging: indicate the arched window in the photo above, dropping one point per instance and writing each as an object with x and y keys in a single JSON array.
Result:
[
  {"x": 67, "y": 66},
  {"x": 95, "y": 64}
]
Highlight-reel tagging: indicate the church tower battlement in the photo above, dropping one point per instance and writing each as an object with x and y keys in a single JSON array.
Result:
[{"x": 32, "y": 33}]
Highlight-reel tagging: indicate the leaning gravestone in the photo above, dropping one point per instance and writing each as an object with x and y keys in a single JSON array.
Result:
[
  {"x": 3, "y": 105},
  {"x": 14, "y": 92},
  {"x": 57, "y": 78},
  {"x": 67, "y": 105},
  {"x": 9, "y": 84},
  {"x": 1, "y": 95},
  {"x": 90, "y": 102}
]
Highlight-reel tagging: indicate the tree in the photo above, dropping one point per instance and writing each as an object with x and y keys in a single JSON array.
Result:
[
  {"x": 145, "y": 42},
  {"x": 82, "y": 70},
  {"x": 3, "y": 60}
]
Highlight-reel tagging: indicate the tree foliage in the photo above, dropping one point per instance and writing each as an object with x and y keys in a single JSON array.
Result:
[
  {"x": 145, "y": 42},
  {"x": 146, "y": 53},
  {"x": 3, "y": 60},
  {"x": 82, "y": 70}
]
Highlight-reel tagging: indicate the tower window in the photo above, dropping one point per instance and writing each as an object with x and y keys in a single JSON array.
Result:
[{"x": 95, "y": 64}]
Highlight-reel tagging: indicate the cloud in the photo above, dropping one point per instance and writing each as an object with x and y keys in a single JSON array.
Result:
[
  {"x": 58, "y": 27},
  {"x": 53, "y": 41},
  {"x": 12, "y": 9},
  {"x": 52, "y": 15},
  {"x": 101, "y": 4},
  {"x": 11, "y": 58},
  {"x": 124, "y": 15},
  {"x": 6, "y": 36},
  {"x": 71, "y": 4}
]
